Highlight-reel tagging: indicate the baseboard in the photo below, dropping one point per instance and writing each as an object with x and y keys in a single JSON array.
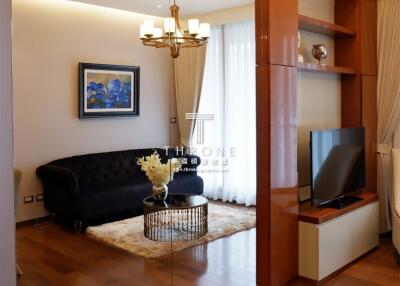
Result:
[{"x": 34, "y": 221}]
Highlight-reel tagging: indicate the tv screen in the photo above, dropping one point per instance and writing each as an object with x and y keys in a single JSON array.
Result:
[{"x": 337, "y": 164}]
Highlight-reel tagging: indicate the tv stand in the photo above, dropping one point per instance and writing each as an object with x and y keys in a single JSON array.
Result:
[
  {"x": 342, "y": 202},
  {"x": 332, "y": 238}
]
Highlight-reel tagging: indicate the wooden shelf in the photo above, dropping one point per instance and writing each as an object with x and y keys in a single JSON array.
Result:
[
  {"x": 325, "y": 28},
  {"x": 318, "y": 215},
  {"x": 324, "y": 68}
]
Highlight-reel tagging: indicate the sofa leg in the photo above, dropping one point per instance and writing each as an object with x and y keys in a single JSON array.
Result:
[
  {"x": 78, "y": 225},
  {"x": 52, "y": 217}
]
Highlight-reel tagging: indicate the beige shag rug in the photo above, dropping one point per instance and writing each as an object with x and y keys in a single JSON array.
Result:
[{"x": 128, "y": 234}]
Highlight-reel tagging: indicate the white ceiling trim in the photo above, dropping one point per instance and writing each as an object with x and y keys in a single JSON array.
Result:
[{"x": 160, "y": 7}]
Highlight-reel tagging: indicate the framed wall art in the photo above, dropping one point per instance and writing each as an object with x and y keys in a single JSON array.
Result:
[{"x": 108, "y": 90}]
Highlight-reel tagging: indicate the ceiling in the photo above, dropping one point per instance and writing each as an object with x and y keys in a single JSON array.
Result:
[{"x": 160, "y": 7}]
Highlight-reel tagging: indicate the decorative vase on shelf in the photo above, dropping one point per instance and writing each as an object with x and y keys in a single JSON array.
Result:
[
  {"x": 160, "y": 192},
  {"x": 300, "y": 58},
  {"x": 319, "y": 52}
]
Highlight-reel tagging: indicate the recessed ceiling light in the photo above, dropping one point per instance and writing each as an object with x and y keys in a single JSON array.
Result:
[{"x": 159, "y": 6}]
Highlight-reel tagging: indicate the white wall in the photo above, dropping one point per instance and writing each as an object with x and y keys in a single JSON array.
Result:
[
  {"x": 7, "y": 224},
  {"x": 242, "y": 13},
  {"x": 236, "y": 14},
  {"x": 318, "y": 95},
  {"x": 50, "y": 38}
]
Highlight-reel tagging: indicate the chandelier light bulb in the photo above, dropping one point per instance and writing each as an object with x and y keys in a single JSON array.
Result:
[
  {"x": 205, "y": 30},
  {"x": 194, "y": 27},
  {"x": 158, "y": 33},
  {"x": 142, "y": 31},
  {"x": 148, "y": 28},
  {"x": 169, "y": 25}
]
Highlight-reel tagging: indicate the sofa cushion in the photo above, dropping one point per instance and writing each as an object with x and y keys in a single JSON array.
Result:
[
  {"x": 122, "y": 197},
  {"x": 97, "y": 169}
]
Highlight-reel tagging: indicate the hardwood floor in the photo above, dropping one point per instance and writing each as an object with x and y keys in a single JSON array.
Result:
[
  {"x": 379, "y": 268},
  {"x": 53, "y": 255}
]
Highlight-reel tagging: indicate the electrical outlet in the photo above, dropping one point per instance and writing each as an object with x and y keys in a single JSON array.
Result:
[
  {"x": 172, "y": 120},
  {"x": 28, "y": 199},
  {"x": 39, "y": 197}
]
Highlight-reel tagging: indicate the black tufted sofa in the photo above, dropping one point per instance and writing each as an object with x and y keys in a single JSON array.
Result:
[{"x": 103, "y": 187}]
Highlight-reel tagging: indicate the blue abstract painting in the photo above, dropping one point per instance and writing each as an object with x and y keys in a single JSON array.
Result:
[{"x": 109, "y": 90}]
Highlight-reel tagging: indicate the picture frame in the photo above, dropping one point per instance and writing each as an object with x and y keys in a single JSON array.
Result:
[{"x": 108, "y": 90}]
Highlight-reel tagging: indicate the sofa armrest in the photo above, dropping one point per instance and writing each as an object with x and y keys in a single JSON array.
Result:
[{"x": 59, "y": 176}]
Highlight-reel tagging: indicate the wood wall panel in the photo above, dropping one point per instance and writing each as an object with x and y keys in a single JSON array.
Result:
[
  {"x": 277, "y": 199},
  {"x": 368, "y": 30},
  {"x": 347, "y": 49},
  {"x": 284, "y": 191},
  {"x": 351, "y": 101},
  {"x": 261, "y": 7},
  {"x": 370, "y": 122},
  {"x": 282, "y": 31},
  {"x": 263, "y": 176}
]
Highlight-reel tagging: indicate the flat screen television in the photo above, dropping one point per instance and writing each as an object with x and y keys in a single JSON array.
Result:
[{"x": 337, "y": 166}]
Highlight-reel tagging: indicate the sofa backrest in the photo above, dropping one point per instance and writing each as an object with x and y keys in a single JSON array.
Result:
[{"x": 100, "y": 168}]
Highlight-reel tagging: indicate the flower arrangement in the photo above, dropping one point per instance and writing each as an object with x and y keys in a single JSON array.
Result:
[{"x": 159, "y": 174}]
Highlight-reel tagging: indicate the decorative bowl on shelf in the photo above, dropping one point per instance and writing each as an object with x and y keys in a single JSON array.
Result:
[{"x": 319, "y": 52}]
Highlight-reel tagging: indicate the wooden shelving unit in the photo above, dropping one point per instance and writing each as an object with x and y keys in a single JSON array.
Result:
[
  {"x": 324, "y": 68},
  {"x": 324, "y": 28}
]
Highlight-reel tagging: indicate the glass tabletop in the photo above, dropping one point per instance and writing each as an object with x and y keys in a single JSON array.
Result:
[{"x": 177, "y": 201}]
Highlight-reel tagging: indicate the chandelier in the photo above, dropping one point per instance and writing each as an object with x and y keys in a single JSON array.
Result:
[{"x": 173, "y": 36}]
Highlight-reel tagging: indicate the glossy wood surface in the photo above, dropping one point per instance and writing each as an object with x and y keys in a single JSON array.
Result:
[
  {"x": 263, "y": 176},
  {"x": 262, "y": 46},
  {"x": 351, "y": 104},
  {"x": 284, "y": 191},
  {"x": 276, "y": 42},
  {"x": 347, "y": 50},
  {"x": 319, "y": 215},
  {"x": 324, "y": 28},
  {"x": 324, "y": 68},
  {"x": 368, "y": 30},
  {"x": 51, "y": 255},
  {"x": 370, "y": 122},
  {"x": 67, "y": 259},
  {"x": 283, "y": 100},
  {"x": 282, "y": 20}
]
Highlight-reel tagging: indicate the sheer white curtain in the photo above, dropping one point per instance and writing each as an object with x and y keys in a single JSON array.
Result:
[{"x": 229, "y": 147}]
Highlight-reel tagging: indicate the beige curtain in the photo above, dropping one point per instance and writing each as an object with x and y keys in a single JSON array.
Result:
[
  {"x": 388, "y": 100},
  {"x": 189, "y": 71}
]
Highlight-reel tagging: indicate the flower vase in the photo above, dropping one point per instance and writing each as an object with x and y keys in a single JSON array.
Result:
[{"x": 160, "y": 192}]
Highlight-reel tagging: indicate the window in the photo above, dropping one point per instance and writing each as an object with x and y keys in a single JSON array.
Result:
[{"x": 228, "y": 93}]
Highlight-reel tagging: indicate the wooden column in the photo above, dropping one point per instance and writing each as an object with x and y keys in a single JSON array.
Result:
[
  {"x": 277, "y": 200},
  {"x": 359, "y": 94},
  {"x": 368, "y": 71}
]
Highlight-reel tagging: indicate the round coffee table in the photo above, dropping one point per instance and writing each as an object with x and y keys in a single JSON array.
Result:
[{"x": 181, "y": 217}]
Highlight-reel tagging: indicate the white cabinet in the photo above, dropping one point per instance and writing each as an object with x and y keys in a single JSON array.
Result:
[{"x": 327, "y": 247}]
